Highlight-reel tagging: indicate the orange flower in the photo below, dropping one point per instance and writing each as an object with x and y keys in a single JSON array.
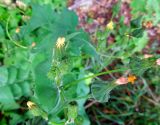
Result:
[{"x": 132, "y": 78}]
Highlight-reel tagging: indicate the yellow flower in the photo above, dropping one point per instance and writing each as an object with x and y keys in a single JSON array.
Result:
[
  {"x": 31, "y": 104},
  {"x": 33, "y": 44},
  {"x": 132, "y": 78},
  {"x": 110, "y": 25},
  {"x": 60, "y": 42}
]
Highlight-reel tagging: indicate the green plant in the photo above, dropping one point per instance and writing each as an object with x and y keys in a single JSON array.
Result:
[{"x": 50, "y": 68}]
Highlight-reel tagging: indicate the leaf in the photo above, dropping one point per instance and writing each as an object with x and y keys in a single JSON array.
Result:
[
  {"x": 138, "y": 6},
  {"x": 89, "y": 49},
  {"x": 16, "y": 90},
  {"x": 83, "y": 90},
  {"x": 1, "y": 32},
  {"x": 41, "y": 15},
  {"x": 3, "y": 76},
  {"x": 45, "y": 89},
  {"x": 72, "y": 35},
  {"x": 12, "y": 75},
  {"x": 136, "y": 23},
  {"x": 138, "y": 33},
  {"x": 67, "y": 19},
  {"x": 7, "y": 99},
  {"x": 23, "y": 74},
  {"x": 138, "y": 66},
  {"x": 15, "y": 118},
  {"x": 81, "y": 45},
  {"x": 26, "y": 89},
  {"x": 83, "y": 86},
  {"x": 141, "y": 42},
  {"x": 101, "y": 90},
  {"x": 154, "y": 7}
]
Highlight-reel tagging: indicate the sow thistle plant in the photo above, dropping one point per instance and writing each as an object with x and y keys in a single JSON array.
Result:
[{"x": 57, "y": 68}]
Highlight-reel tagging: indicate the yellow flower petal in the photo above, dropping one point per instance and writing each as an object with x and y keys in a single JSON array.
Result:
[
  {"x": 31, "y": 104},
  {"x": 110, "y": 25},
  {"x": 60, "y": 42}
]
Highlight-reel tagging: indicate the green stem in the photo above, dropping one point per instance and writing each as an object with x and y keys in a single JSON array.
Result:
[
  {"x": 93, "y": 76},
  {"x": 64, "y": 100},
  {"x": 9, "y": 36},
  {"x": 99, "y": 74}
]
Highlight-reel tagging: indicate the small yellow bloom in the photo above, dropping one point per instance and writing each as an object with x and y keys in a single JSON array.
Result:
[
  {"x": 60, "y": 42},
  {"x": 132, "y": 78},
  {"x": 110, "y": 25},
  {"x": 31, "y": 104},
  {"x": 33, "y": 44},
  {"x": 17, "y": 30}
]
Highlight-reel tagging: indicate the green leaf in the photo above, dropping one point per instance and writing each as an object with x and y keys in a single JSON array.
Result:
[
  {"x": 141, "y": 42},
  {"x": 138, "y": 66},
  {"x": 26, "y": 89},
  {"x": 101, "y": 90},
  {"x": 12, "y": 74},
  {"x": 72, "y": 35},
  {"x": 41, "y": 15},
  {"x": 83, "y": 90},
  {"x": 3, "y": 76},
  {"x": 45, "y": 89},
  {"x": 1, "y": 32},
  {"x": 23, "y": 74},
  {"x": 89, "y": 49},
  {"x": 67, "y": 19},
  {"x": 15, "y": 118},
  {"x": 6, "y": 99},
  {"x": 138, "y": 6},
  {"x": 16, "y": 90},
  {"x": 137, "y": 22},
  {"x": 154, "y": 6},
  {"x": 138, "y": 33}
]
